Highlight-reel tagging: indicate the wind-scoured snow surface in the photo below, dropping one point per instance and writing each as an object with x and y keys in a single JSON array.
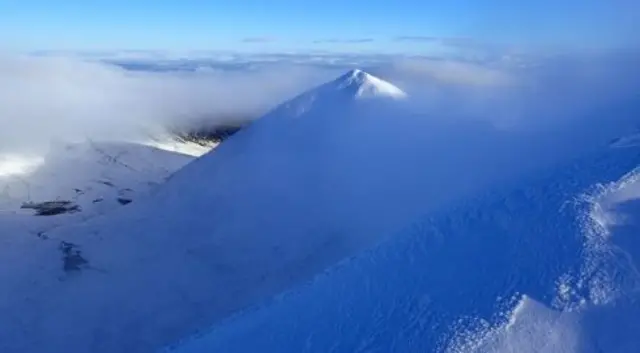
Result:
[
  {"x": 527, "y": 268},
  {"x": 524, "y": 267},
  {"x": 387, "y": 231}
]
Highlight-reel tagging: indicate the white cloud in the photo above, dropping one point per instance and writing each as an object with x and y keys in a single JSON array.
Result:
[
  {"x": 50, "y": 98},
  {"x": 454, "y": 72},
  {"x": 520, "y": 91}
]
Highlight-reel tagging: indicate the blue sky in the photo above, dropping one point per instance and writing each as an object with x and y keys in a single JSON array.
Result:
[{"x": 340, "y": 25}]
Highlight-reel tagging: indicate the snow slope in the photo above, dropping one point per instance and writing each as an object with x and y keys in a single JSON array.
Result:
[
  {"x": 529, "y": 267},
  {"x": 319, "y": 179},
  {"x": 96, "y": 177}
]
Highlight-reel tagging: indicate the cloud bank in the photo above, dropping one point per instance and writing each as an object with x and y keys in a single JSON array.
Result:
[
  {"x": 524, "y": 92},
  {"x": 58, "y": 98},
  {"x": 47, "y": 98}
]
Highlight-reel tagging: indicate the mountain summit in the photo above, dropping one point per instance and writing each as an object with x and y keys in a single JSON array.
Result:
[
  {"x": 355, "y": 86},
  {"x": 360, "y": 84}
]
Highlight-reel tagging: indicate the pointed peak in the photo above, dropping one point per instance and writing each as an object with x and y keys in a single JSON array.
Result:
[
  {"x": 353, "y": 86},
  {"x": 353, "y": 77},
  {"x": 355, "y": 74},
  {"x": 364, "y": 85}
]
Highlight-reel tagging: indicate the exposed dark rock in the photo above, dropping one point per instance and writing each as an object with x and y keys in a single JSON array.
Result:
[
  {"x": 124, "y": 201},
  {"x": 51, "y": 208},
  {"x": 106, "y": 182},
  {"x": 206, "y": 135},
  {"x": 72, "y": 259}
]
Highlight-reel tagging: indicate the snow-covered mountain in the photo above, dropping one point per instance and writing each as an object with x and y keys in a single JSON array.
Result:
[
  {"x": 258, "y": 199},
  {"x": 545, "y": 265},
  {"x": 78, "y": 181},
  {"x": 355, "y": 85},
  {"x": 337, "y": 172}
]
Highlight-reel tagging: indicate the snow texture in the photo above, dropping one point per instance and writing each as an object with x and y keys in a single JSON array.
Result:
[{"x": 522, "y": 269}]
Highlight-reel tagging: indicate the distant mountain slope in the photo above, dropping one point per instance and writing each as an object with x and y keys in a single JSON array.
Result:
[{"x": 92, "y": 178}]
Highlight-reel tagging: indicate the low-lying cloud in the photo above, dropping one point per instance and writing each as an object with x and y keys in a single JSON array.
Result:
[
  {"x": 454, "y": 72},
  {"x": 521, "y": 91},
  {"x": 49, "y": 98},
  {"x": 460, "y": 42},
  {"x": 46, "y": 98}
]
